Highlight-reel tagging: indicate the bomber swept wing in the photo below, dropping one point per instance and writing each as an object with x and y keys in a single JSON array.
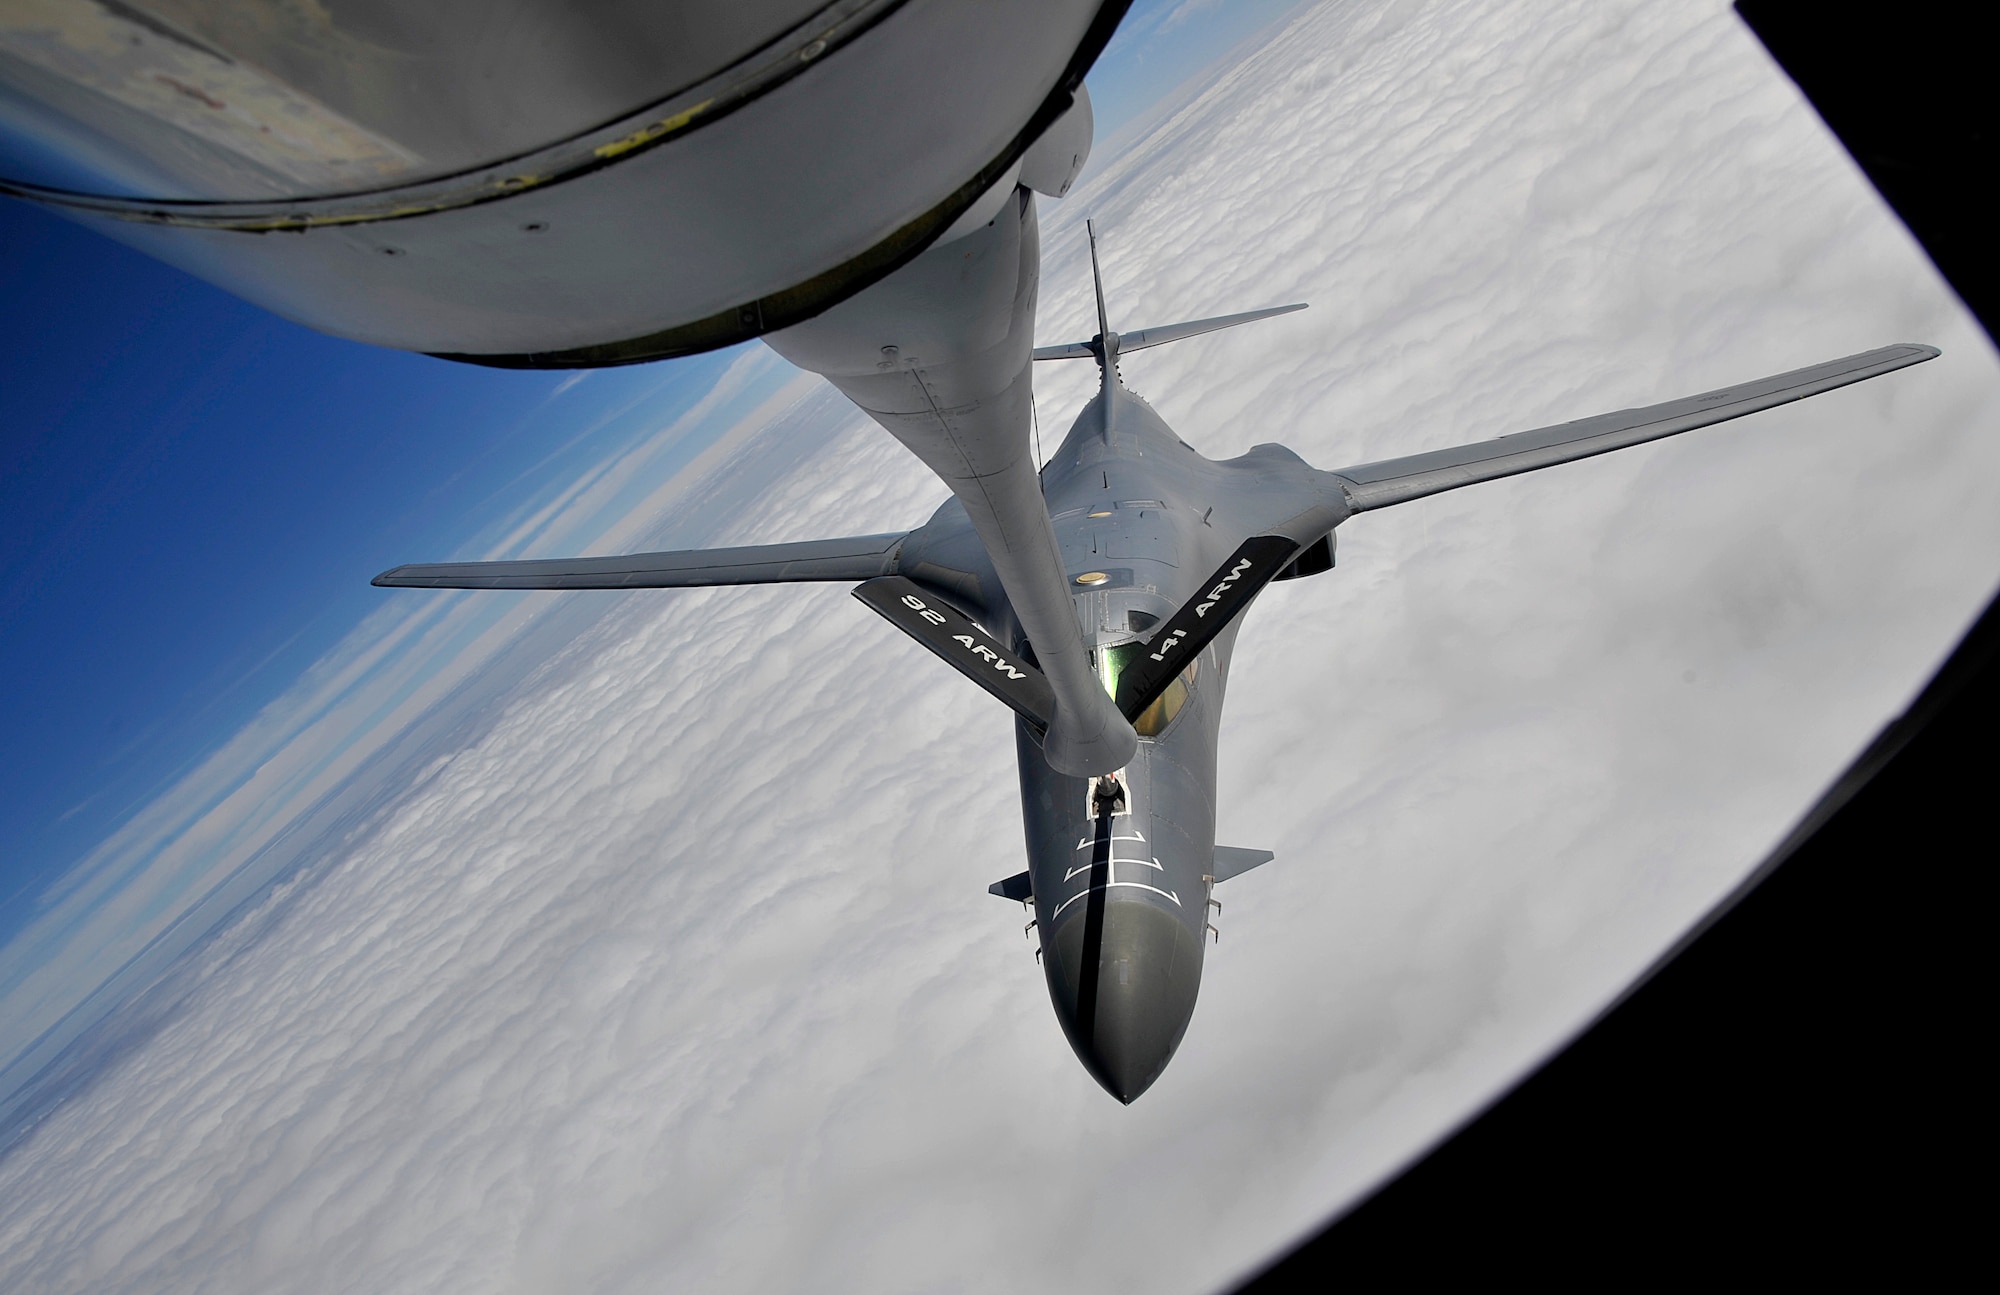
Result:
[
  {"x": 1397, "y": 481},
  {"x": 1231, "y": 588},
  {"x": 922, "y": 613},
  {"x": 856, "y": 557}
]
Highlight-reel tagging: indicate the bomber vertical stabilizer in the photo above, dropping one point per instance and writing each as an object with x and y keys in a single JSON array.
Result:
[{"x": 1107, "y": 346}]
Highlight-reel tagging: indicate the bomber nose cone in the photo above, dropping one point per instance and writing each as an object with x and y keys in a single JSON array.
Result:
[{"x": 1125, "y": 1008}]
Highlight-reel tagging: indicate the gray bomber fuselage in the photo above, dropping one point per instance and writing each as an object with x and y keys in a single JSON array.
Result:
[{"x": 1121, "y": 898}]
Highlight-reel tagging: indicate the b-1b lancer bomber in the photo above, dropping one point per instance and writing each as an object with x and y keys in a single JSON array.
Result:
[{"x": 1099, "y": 596}]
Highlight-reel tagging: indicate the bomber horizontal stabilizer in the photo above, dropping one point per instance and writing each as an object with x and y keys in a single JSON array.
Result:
[
  {"x": 1234, "y": 861},
  {"x": 1161, "y": 334},
  {"x": 1020, "y": 887},
  {"x": 970, "y": 650},
  {"x": 1397, "y": 481},
  {"x": 855, "y": 557}
]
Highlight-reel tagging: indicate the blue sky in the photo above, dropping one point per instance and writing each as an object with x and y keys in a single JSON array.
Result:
[
  {"x": 193, "y": 495},
  {"x": 193, "y": 492}
]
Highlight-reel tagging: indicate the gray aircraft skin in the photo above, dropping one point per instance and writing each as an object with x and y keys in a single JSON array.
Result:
[
  {"x": 581, "y": 183},
  {"x": 1160, "y": 550},
  {"x": 540, "y": 183}
]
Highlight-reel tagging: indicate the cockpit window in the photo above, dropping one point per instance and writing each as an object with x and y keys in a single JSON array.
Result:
[{"x": 1153, "y": 721}]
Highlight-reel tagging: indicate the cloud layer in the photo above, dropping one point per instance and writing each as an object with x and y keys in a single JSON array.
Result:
[{"x": 679, "y": 973}]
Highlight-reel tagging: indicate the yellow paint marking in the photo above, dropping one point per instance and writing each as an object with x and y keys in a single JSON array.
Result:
[{"x": 647, "y": 134}]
